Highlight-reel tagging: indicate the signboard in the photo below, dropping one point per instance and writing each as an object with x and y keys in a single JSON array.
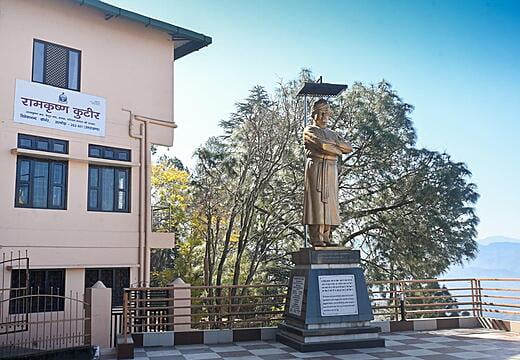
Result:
[
  {"x": 62, "y": 109},
  {"x": 338, "y": 295},
  {"x": 295, "y": 305}
]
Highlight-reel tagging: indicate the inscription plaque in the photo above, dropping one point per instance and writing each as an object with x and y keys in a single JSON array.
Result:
[
  {"x": 338, "y": 295},
  {"x": 295, "y": 305}
]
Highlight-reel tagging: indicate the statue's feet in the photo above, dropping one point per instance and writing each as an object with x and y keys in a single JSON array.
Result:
[
  {"x": 319, "y": 244},
  {"x": 330, "y": 243}
]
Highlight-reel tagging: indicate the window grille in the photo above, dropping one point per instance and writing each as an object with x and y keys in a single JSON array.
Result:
[
  {"x": 56, "y": 65},
  {"x": 115, "y": 278},
  {"x": 41, "y": 282}
]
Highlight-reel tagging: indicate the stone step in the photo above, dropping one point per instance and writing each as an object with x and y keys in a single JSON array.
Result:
[
  {"x": 329, "y": 331},
  {"x": 324, "y": 345}
]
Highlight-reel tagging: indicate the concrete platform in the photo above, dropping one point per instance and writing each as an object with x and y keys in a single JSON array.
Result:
[{"x": 422, "y": 345}]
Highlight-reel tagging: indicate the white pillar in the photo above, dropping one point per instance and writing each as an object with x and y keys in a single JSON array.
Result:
[
  {"x": 99, "y": 297},
  {"x": 181, "y": 298}
]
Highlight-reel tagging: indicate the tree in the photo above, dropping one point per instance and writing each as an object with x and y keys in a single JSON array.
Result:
[
  {"x": 171, "y": 198},
  {"x": 244, "y": 221},
  {"x": 410, "y": 210}
]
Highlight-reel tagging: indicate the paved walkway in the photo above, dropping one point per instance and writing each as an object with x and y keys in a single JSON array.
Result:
[{"x": 427, "y": 345}]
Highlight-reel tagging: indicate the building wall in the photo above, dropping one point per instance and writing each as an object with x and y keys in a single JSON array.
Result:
[{"x": 131, "y": 67}]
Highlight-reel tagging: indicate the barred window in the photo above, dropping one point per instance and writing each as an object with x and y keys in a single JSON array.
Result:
[
  {"x": 115, "y": 278},
  {"x": 56, "y": 65},
  {"x": 41, "y": 282}
]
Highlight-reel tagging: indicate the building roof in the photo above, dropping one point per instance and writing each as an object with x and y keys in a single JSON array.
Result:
[{"x": 185, "y": 41}]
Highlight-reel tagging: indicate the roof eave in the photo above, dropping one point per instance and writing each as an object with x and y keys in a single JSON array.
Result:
[{"x": 195, "y": 42}]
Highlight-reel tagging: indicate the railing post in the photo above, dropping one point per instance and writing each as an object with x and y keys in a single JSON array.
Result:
[
  {"x": 125, "y": 315},
  {"x": 479, "y": 296},
  {"x": 473, "y": 297},
  {"x": 230, "y": 307},
  {"x": 393, "y": 288},
  {"x": 402, "y": 301}
]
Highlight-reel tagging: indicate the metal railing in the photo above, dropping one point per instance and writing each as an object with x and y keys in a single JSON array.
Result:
[
  {"x": 411, "y": 299},
  {"x": 162, "y": 219},
  {"x": 155, "y": 309},
  {"x": 116, "y": 324}
]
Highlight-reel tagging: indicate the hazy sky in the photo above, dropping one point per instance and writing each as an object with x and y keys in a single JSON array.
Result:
[{"x": 457, "y": 62}]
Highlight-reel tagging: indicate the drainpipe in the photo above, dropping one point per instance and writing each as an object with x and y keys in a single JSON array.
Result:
[
  {"x": 142, "y": 210},
  {"x": 145, "y": 201}
]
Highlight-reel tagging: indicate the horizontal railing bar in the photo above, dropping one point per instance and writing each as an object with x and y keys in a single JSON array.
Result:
[
  {"x": 158, "y": 299},
  {"x": 500, "y": 296},
  {"x": 439, "y": 310},
  {"x": 254, "y": 320},
  {"x": 416, "y": 281},
  {"x": 501, "y": 305},
  {"x": 203, "y": 287},
  {"x": 500, "y": 311},
  {"x": 498, "y": 289},
  {"x": 49, "y": 339},
  {"x": 417, "y": 290},
  {"x": 498, "y": 279},
  {"x": 152, "y": 308},
  {"x": 439, "y": 304},
  {"x": 385, "y": 307},
  {"x": 53, "y": 321},
  {"x": 422, "y": 297},
  {"x": 437, "y": 297},
  {"x": 151, "y": 316}
]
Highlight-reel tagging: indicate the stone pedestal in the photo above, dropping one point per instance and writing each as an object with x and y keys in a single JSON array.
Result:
[{"x": 328, "y": 306}]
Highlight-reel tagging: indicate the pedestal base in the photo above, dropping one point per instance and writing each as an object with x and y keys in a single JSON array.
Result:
[
  {"x": 329, "y": 345},
  {"x": 328, "y": 306}
]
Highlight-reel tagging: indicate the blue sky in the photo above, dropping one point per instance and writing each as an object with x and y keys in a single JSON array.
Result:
[{"x": 457, "y": 62}]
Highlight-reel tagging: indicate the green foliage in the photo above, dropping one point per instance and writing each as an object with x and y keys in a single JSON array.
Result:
[
  {"x": 443, "y": 304},
  {"x": 171, "y": 198},
  {"x": 410, "y": 210}
]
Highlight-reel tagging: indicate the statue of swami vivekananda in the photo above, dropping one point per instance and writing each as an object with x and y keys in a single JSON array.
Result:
[{"x": 322, "y": 147}]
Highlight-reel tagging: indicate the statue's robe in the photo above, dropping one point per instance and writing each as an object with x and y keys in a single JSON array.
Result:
[{"x": 321, "y": 205}]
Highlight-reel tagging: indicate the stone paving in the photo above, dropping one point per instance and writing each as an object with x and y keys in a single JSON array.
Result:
[{"x": 453, "y": 344}]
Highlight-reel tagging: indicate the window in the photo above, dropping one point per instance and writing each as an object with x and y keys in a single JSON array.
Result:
[
  {"x": 42, "y": 282},
  {"x": 108, "y": 189},
  {"x": 111, "y": 153},
  {"x": 41, "y": 183},
  {"x": 115, "y": 278},
  {"x": 56, "y": 65},
  {"x": 43, "y": 144}
]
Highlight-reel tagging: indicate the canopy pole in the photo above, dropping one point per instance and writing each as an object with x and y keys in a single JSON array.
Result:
[{"x": 305, "y": 240}]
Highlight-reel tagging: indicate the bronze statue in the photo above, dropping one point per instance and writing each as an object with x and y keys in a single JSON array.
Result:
[{"x": 322, "y": 147}]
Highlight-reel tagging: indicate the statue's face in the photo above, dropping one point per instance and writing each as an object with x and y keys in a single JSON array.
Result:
[{"x": 322, "y": 118}]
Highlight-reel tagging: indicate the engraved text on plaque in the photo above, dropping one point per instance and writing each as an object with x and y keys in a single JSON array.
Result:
[
  {"x": 338, "y": 295},
  {"x": 295, "y": 305}
]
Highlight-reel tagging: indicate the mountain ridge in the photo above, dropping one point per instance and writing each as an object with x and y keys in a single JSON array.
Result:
[{"x": 498, "y": 257}]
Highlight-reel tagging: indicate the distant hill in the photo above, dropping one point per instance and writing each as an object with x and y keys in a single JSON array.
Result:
[
  {"x": 497, "y": 239},
  {"x": 496, "y": 259}
]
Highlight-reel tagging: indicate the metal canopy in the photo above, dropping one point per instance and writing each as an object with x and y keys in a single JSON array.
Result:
[{"x": 321, "y": 89}]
